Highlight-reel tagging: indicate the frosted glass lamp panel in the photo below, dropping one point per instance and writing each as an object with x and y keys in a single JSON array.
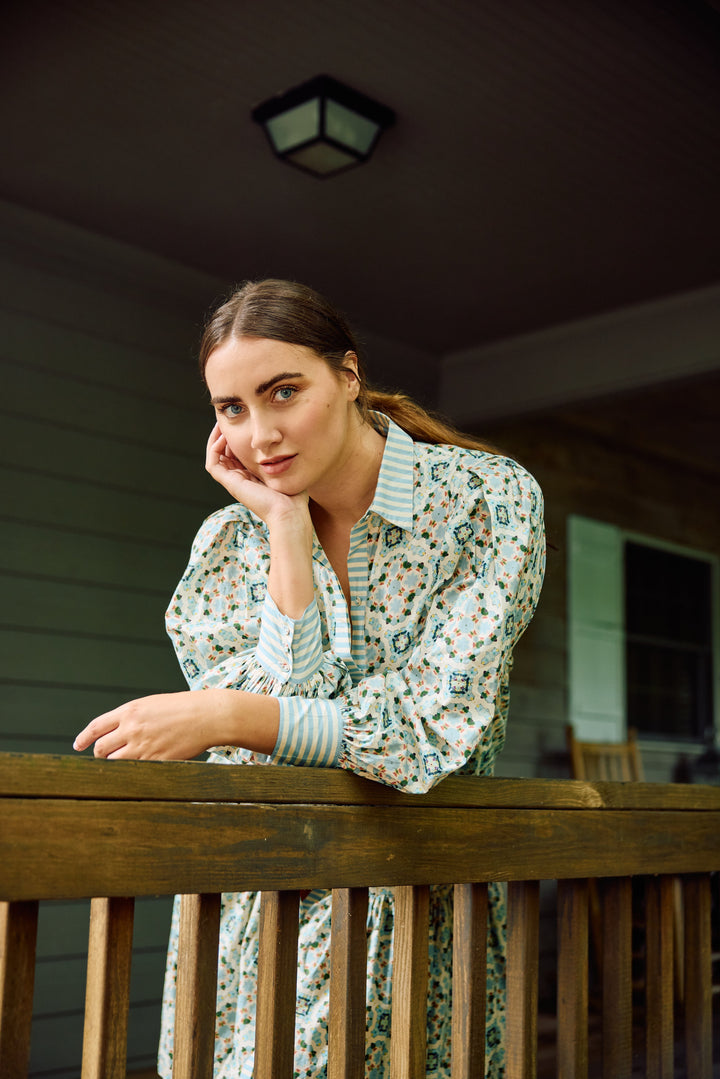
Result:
[
  {"x": 295, "y": 126},
  {"x": 321, "y": 158},
  {"x": 348, "y": 127}
]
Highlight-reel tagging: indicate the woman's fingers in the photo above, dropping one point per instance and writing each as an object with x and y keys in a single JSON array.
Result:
[{"x": 99, "y": 728}]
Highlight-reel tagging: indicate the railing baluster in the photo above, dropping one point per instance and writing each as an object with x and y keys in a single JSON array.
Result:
[
  {"x": 277, "y": 982},
  {"x": 194, "y": 1039},
  {"x": 348, "y": 984},
  {"x": 410, "y": 981},
  {"x": 698, "y": 977},
  {"x": 107, "y": 992},
  {"x": 18, "y": 936},
  {"x": 469, "y": 980},
  {"x": 522, "y": 978},
  {"x": 659, "y": 976},
  {"x": 617, "y": 976},
  {"x": 572, "y": 979}
]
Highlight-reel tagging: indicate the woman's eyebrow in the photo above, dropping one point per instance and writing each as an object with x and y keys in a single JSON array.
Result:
[
  {"x": 265, "y": 386},
  {"x": 233, "y": 398}
]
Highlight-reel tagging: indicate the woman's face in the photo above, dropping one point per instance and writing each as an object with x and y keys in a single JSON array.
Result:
[{"x": 287, "y": 417}]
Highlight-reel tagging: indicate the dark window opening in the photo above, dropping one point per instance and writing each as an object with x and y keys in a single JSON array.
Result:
[{"x": 668, "y": 644}]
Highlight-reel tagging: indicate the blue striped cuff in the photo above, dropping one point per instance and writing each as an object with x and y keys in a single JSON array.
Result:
[
  {"x": 310, "y": 732},
  {"x": 290, "y": 649}
]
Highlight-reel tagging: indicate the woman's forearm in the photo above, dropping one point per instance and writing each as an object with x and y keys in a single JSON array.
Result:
[
  {"x": 237, "y": 718},
  {"x": 180, "y": 726},
  {"x": 290, "y": 580}
]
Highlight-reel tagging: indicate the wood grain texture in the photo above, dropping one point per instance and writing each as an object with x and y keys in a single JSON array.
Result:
[
  {"x": 572, "y": 979},
  {"x": 616, "y": 898},
  {"x": 18, "y": 936},
  {"x": 698, "y": 977},
  {"x": 659, "y": 976},
  {"x": 410, "y": 983},
  {"x": 469, "y": 980},
  {"x": 277, "y": 977},
  {"x": 160, "y": 848},
  {"x": 194, "y": 1039},
  {"x": 44, "y": 775},
  {"x": 523, "y": 907},
  {"x": 108, "y": 988},
  {"x": 348, "y": 984}
]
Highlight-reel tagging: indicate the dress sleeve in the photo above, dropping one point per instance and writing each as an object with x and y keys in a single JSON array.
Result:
[
  {"x": 227, "y": 631},
  {"x": 412, "y": 726}
]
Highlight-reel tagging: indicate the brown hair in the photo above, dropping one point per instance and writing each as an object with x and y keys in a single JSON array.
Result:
[{"x": 290, "y": 312}]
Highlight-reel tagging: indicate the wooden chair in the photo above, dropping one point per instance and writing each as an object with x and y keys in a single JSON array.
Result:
[
  {"x": 599, "y": 761},
  {"x": 620, "y": 762}
]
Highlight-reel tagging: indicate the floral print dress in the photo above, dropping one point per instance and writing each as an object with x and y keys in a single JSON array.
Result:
[{"x": 409, "y": 686}]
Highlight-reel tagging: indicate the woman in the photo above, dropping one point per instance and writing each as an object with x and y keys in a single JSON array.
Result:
[{"x": 356, "y": 607}]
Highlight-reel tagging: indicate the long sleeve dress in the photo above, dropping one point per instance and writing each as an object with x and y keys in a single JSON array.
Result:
[{"x": 408, "y": 687}]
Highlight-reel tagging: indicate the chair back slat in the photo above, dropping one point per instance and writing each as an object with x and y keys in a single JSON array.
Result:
[
  {"x": 107, "y": 991},
  {"x": 698, "y": 977},
  {"x": 348, "y": 984},
  {"x": 276, "y": 985},
  {"x": 616, "y": 895},
  {"x": 18, "y": 936},
  {"x": 470, "y": 922},
  {"x": 614, "y": 762},
  {"x": 409, "y": 982},
  {"x": 523, "y": 922},
  {"x": 572, "y": 979},
  {"x": 198, "y": 937},
  {"x": 659, "y": 976}
]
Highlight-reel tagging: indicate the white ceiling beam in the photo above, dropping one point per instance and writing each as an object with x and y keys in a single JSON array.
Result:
[{"x": 621, "y": 350}]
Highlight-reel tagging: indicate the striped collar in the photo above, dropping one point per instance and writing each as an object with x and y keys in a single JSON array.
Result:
[{"x": 394, "y": 492}]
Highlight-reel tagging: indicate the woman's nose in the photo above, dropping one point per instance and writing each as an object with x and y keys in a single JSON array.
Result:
[{"x": 264, "y": 431}]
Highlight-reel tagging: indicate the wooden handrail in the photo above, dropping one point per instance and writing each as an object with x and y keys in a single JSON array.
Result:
[{"x": 75, "y": 827}]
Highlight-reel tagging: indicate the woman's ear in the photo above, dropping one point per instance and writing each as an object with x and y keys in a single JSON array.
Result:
[{"x": 350, "y": 363}]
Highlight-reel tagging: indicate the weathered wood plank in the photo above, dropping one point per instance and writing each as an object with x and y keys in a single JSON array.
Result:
[
  {"x": 277, "y": 977},
  {"x": 698, "y": 977},
  {"x": 348, "y": 984},
  {"x": 45, "y": 775},
  {"x": 523, "y": 906},
  {"x": 410, "y": 983},
  {"x": 194, "y": 1038},
  {"x": 134, "y": 847},
  {"x": 659, "y": 976},
  {"x": 616, "y": 897},
  {"x": 107, "y": 994},
  {"x": 469, "y": 980},
  {"x": 18, "y": 935},
  {"x": 572, "y": 979}
]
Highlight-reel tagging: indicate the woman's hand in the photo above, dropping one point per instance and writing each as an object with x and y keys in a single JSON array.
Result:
[
  {"x": 179, "y": 726},
  {"x": 164, "y": 727},
  {"x": 230, "y": 473}
]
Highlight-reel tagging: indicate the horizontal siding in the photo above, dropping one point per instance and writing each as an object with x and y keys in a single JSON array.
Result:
[
  {"x": 103, "y": 425},
  {"x": 81, "y": 553}
]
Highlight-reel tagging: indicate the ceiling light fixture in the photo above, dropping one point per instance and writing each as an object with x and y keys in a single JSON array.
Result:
[{"x": 322, "y": 126}]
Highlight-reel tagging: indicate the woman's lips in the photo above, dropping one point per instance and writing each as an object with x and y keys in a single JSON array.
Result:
[{"x": 277, "y": 465}]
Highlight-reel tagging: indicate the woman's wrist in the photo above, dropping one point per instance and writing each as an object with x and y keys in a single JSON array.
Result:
[{"x": 234, "y": 717}]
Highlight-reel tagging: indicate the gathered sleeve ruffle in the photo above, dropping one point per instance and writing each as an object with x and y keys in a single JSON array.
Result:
[{"x": 227, "y": 631}]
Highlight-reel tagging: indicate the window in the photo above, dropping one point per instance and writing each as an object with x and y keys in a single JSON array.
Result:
[
  {"x": 668, "y": 642},
  {"x": 642, "y": 636}
]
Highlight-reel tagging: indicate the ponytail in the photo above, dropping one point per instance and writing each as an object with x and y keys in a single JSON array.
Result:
[{"x": 421, "y": 425}]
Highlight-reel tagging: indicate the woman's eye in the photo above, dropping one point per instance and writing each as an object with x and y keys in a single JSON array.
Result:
[
  {"x": 285, "y": 393},
  {"x": 232, "y": 410}
]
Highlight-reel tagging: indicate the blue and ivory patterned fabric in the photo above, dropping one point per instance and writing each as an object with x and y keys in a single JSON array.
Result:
[{"x": 407, "y": 687}]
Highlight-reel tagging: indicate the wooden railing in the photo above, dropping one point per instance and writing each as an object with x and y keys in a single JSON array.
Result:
[{"x": 83, "y": 828}]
